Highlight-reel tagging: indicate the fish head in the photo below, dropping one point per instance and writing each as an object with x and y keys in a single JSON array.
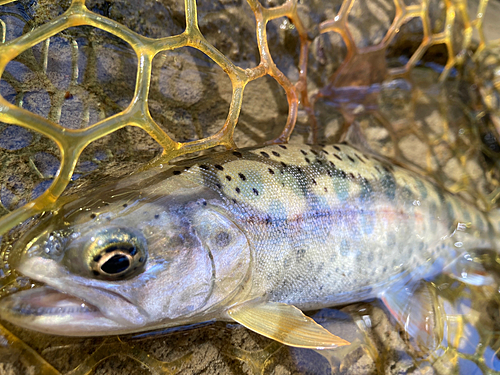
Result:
[{"x": 128, "y": 260}]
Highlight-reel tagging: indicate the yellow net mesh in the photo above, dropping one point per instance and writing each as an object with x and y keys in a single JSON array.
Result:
[{"x": 356, "y": 70}]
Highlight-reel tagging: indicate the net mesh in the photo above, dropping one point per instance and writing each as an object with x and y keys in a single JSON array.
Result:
[{"x": 92, "y": 90}]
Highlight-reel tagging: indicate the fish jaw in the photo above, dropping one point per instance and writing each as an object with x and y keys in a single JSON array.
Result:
[
  {"x": 75, "y": 311},
  {"x": 49, "y": 311}
]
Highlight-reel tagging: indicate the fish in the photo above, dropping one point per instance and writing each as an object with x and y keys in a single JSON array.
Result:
[{"x": 255, "y": 236}]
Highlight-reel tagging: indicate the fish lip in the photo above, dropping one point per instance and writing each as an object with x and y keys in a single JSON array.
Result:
[
  {"x": 47, "y": 310},
  {"x": 81, "y": 315},
  {"x": 44, "y": 300}
]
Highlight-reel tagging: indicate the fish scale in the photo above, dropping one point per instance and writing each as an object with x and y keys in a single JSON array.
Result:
[
  {"x": 251, "y": 235},
  {"x": 359, "y": 221}
]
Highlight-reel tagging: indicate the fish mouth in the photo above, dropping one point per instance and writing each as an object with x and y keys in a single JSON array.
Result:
[
  {"x": 47, "y": 310},
  {"x": 66, "y": 306},
  {"x": 46, "y": 301}
]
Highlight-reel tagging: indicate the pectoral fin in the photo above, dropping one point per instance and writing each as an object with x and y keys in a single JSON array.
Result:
[{"x": 284, "y": 323}]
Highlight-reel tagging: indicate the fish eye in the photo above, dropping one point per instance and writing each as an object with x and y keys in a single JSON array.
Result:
[{"x": 117, "y": 254}]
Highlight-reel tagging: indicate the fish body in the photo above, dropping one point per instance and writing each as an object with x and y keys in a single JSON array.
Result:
[{"x": 238, "y": 235}]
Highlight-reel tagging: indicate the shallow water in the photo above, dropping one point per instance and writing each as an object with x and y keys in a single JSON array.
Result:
[{"x": 445, "y": 129}]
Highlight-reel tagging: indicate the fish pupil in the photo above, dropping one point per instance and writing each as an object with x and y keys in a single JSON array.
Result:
[{"x": 116, "y": 264}]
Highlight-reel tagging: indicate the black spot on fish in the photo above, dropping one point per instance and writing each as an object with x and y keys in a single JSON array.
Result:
[
  {"x": 219, "y": 167},
  {"x": 338, "y": 157},
  {"x": 203, "y": 166},
  {"x": 326, "y": 152},
  {"x": 270, "y": 171},
  {"x": 329, "y": 173},
  {"x": 314, "y": 181},
  {"x": 308, "y": 161},
  {"x": 351, "y": 159},
  {"x": 228, "y": 178},
  {"x": 352, "y": 176},
  {"x": 377, "y": 169},
  {"x": 95, "y": 273},
  {"x": 360, "y": 159},
  {"x": 176, "y": 173},
  {"x": 237, "y": 154},
  {"x": 219, "y": 186},
  {"x": 325, "y": 189},
  {"x": 255, "y": 191},
  {"x": 342, "y": 174},
  {"x": 332, "y": 164},
  {"x": 242, "y": 176},
  {"x": 125, "y": 205},
  {"x": 234, "y": 201},
  {"x": 314, "y": 152},
  {"x": 276, "y": 154},
  {"x": 265, "y": 154},
  {"x": 238, "y": 190},
  {"x": 157, "y": 216},
  {"x": 92, "y": 216},
  {"x": 386, "y": 168},
  {"x": 337, "y": 148},
  {"x": 204, "y": 203},
  {"x": 284, "y": 165},
  {"x": 282, "y": 146},
  {"x": 299, "y": 169},
  {"x": 303, "y": 152},
  {"x": 388, "y": 185}
]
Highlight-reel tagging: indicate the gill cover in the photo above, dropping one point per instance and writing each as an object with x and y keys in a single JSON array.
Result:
[
  {"x": 162, "y": 260},
  {"x": 229, "y": 252}
]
